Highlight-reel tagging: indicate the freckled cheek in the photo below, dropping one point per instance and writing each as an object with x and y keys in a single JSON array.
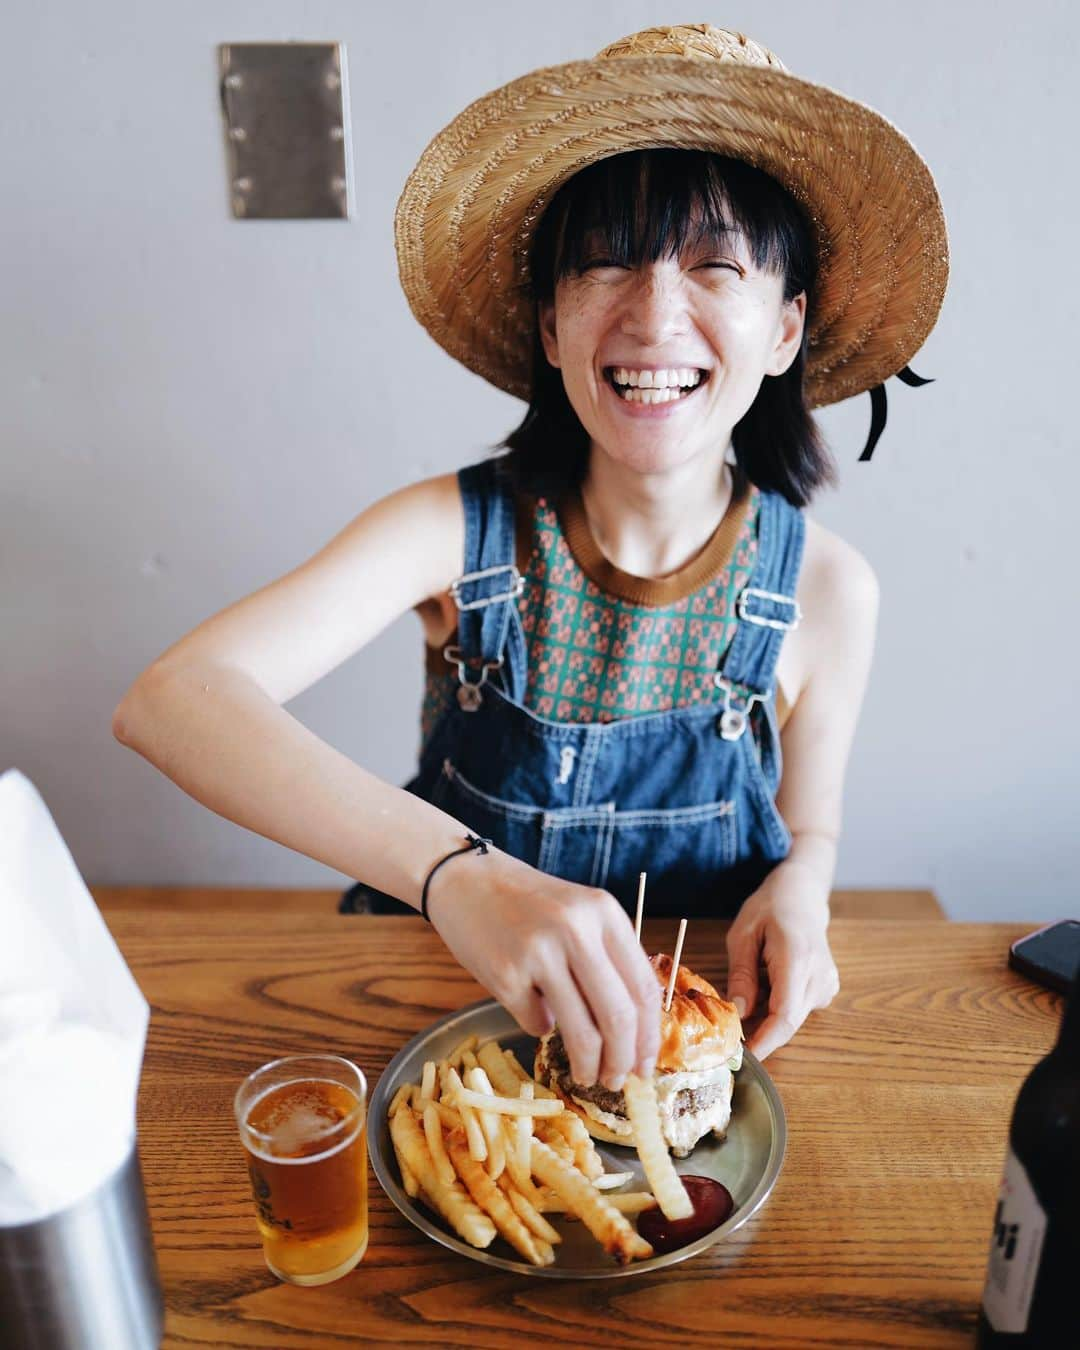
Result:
[{"x": 579, "y": 341}]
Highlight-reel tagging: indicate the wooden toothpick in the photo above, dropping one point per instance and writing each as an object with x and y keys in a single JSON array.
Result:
[
  {"x": 675, "y": 965},
  {"x": 640, "y": 905}
]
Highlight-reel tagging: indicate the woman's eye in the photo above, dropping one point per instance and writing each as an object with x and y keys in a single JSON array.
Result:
[{"x": 721, "y": 262}]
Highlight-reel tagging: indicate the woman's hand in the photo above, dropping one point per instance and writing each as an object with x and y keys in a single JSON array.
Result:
[
  {"x": 783, "y": 923},
  {"x": 554, "y": 952}
]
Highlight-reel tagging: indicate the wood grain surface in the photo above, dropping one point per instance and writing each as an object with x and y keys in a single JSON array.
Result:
[{"x": 897, "y": 1098}]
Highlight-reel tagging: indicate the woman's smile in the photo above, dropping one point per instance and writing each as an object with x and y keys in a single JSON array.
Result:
[{"x": 653, "y": 393}]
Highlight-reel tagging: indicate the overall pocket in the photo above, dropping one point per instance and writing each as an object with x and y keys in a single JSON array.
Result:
[
  {"x": 567, "y": 842},
  {"x": 685, "y": 851},
  {"x": 516, "y": 829}
]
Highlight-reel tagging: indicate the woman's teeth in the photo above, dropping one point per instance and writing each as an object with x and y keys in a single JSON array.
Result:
[{"x": 654, "y": 386}]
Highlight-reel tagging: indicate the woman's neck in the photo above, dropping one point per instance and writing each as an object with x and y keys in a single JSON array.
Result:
[{"x": 651, "y": 525}]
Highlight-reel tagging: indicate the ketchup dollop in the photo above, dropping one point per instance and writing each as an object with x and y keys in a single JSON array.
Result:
[{"x": 712, "y": 1205}]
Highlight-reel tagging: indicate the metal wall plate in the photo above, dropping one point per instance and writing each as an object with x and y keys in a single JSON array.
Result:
[{"x": 286, "y": 112}]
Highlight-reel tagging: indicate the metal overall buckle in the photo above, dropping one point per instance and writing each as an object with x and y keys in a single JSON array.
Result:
[
  {"x": 733, "y": 720},
  {"x": 517, "y": 585},
  {"x": 469, "y": 696},
  {"x": 780, "y": 624}
]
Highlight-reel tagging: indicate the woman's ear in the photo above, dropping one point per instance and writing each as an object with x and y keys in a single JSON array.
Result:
[
  {"x": 788, "y": 335},
  {"x": 545, "y": 313}
]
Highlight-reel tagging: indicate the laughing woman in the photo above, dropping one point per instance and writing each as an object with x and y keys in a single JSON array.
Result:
[{"x": 641, "y": 654}]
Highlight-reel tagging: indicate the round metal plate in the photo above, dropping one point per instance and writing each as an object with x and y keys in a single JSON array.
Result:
[{"x": 748, "y": 1161}]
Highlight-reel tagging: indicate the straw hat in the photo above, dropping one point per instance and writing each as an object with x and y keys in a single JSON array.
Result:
[{"x": 468, "y": 211}]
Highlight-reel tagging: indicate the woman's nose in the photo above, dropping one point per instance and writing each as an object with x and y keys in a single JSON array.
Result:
[{"x": 655, "y": 304}]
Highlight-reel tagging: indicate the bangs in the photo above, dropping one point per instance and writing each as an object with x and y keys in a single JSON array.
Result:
[{"x": 647, "y": 204}]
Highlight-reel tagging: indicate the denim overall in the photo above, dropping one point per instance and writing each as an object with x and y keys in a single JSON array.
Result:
[{"x": 686, "y": 795}]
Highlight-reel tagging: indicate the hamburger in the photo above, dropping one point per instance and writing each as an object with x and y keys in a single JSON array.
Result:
[{"x": 700, "y": 1050}]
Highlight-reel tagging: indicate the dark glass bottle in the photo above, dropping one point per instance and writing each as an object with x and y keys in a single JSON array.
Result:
[{"x": 1032, "y": 1292}]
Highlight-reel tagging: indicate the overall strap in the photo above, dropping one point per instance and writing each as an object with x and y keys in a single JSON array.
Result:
[
  {"x": 766, "y": 609},
  {"x": 486, "y": 593}
]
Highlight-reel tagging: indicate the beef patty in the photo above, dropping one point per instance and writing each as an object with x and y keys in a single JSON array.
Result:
[{"x": 688, "y": 1099}]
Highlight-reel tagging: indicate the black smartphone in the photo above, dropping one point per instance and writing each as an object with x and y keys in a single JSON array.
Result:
[{"x": 1050, "y": 956}]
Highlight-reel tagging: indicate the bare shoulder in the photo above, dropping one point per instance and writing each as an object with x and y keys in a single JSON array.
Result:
[
  {"x": 836, "y": 583},
  {"x": 838, "y": 596}
]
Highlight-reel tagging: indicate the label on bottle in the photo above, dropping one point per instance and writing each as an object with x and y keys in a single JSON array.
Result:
[{"x": 1015, "y": 1248}]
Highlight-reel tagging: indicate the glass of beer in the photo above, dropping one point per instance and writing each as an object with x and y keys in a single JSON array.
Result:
[{"x": 303, "y": 1124}]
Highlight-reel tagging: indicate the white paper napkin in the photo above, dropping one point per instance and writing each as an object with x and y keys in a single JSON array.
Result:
[{"x": 72, "y": 1021}]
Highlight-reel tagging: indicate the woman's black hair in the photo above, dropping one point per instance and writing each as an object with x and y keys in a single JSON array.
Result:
[{"x": 648, "y": 204}]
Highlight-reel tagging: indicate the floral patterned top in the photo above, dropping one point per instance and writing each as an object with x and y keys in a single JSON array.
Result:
[{"x": 604, "y": 644}]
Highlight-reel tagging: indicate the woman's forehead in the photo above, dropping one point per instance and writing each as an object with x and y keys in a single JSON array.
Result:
[{"x": 699, "y": 233}]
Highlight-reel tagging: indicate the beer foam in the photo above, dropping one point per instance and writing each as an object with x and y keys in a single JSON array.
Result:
[{"x": 288, "y": 1121}]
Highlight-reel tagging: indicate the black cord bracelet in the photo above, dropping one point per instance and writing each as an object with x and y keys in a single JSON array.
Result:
[{"x": 475, "y": 844}]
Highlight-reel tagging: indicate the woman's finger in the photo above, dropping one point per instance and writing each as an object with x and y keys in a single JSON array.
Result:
[
  {"x": 637, "y": 974},
  {"x": 613, "y": 1011},
  {"x": 744, "y": 950},
  {"x": 789, "y": 1003},
  {"x": 531, "y": 1012},
  {"x": 776, "y": 1030},
  {"x": 580, "y": 1034},
  {"x": 789, "y": 981}
]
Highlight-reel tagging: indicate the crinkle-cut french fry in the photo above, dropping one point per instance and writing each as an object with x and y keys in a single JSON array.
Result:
[
  {"x": 477, "y": 1143},
  {"x": 633, "y": 1202},
  {"x": 491, "y": 1059},
  {"x": 510, "y": 1106},
  {"x": 550, "y": 1203},
  {"x": 496, "y": 1158},
  {"x": 475, "y": 1135},
  {"x": 514, "y": 1065},
  {"x": 433, "y": 1134},
  {"x": 452, "y": 1202},
  {"x": 408, "y": 1179},
  {"x": 523, "y": 1127},
  {"x": 490, "y": 1198},
  {"x": 520, "y": 1176},
  {"x": 489, "y": 1122},
  {"x": 640, "y": 1097},
  {"x": 580, "y": 1140},
  {"x": 455, "y": 1056},
  {"x": 401, "y": 1097},
  {"x": 449, "y": 1116},
  {"x": 478, "y": 1081},
  {"x": 529, "y": 1214},
  {"x": 523, "y": 1077},
  {"x": 556, "y": 1142},
  {"x": 607, "y": 1181},
  {"x": 427, "y": 1082},
  {"x": 610, "y": 1228}
]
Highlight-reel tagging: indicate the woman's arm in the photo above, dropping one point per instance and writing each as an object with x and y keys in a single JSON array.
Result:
[
  {"x": 208, "y": 714},
  {"x": 786, "y": 919}
]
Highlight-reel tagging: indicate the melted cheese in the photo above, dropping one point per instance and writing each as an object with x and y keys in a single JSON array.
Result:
[{"x": 683, "y": 1132}]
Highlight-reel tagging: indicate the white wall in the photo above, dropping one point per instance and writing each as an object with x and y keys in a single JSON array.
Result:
[{"x": 192, "y": 404}]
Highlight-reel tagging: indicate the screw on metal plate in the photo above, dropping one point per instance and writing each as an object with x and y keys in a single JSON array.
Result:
[{"x": 286, "y": 129}]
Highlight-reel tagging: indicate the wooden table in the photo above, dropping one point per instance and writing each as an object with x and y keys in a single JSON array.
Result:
[{"x": 897, "y": 1099}]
